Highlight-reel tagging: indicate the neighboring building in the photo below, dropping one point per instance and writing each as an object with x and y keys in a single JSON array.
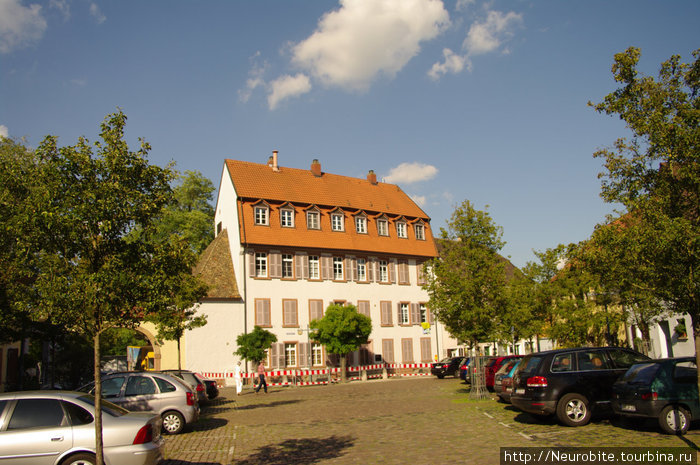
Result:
[
  {"x": 289, "y": 242},
  {"x": 670, "y": 335}
]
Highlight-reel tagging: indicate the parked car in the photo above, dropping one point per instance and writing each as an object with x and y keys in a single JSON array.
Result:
[
  {"x": 666, "y": 390},
  {"x": 503, "y": 380},
  {"x": 143, "y": 391},
  {"x": 446, "y": 367},
  {"x": 493, "y": 365},
  {"x": 570, "y": 382},
  {"x": 57, "y": 427},
  {"x": 212, "y": 387},
  {"x": 195, "y": 381},
  {"x": 464, "y": 373}
]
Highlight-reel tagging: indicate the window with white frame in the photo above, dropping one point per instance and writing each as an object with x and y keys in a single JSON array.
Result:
[
  {"x": 313, "y": 220},
  {"x": 383, "y": 227},
  {"x": 314, "y": 270},
  {"x": 401, "y": 229},
  {"x": 361, "y": 225},
  {"x": 260, "y": 265},
  {"x": 337, "y": 222},
  {"x": 361, "y": 269},
  {"x": 290, "y": 354},
  {"x": 420, "y": 232},
  {"x": 316, "y": 354},
  {"x": 338, "y": 268},
  {"x": 404, "y": 315},
  {"x": 261, "y": 215},
  {"x": 423, "y": 314},
  {"x": 383, "y": 271},
  {"x": 287, "y": 265},
  {"x": 287, "y": 218}
]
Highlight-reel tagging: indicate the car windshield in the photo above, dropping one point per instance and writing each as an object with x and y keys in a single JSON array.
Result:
[
  {"x": 506, "y": 367},
  {"x": 107, "y": 406},
  {"x": 446, "y": 360},
  {"x": 642, "y": 373},
  {"x": 491, "y": 362}
]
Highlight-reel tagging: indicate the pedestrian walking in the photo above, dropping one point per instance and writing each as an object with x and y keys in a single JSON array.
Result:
[
  {"x": 239, "y": 380},
  {"x": 261, "y": 378}
]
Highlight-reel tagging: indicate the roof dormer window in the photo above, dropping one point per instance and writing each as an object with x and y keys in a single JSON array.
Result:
[
  {"x": 262, "y": 214},
  {"x": 383, "y": 227},
  {"x": 361, "y": 224},
  {"x": 419, "y": 229},
  {"x": 401, "y": 229},
  {"x": 313, "y": 219},
  {"x": 338, "y": 221},
  {"x": 287, "y": 218}
]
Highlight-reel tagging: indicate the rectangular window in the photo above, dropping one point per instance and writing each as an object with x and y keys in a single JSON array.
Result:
[
  {"x": 315, "y": 309},
  {"x": 425, "y": 352},
  {"x": 312, "y": 220},
  {"x": 290, "y": 354},
  {"x": 261, "y": 215},
  {"x": 361, "y": 225},
  {"x": 401, "y": 229},
  {"x": 424, "y": 316},
  {"x": 404, "y": 315},
  {"x": 262, "y": 312},
  {"x": 260, "y": 265},
  {"x": 289, "y": 313},
  {"x": 337, "y": 222},
  {"x": 407, "y": 350},
  {"x": 385, "y": 307},
  {"x": 420, "y": 232},
  {"x": 383, "y": 271},
  {"x": 382, "y": 227},
  {"x": 317, "y": 354},
  {"x": 314, "y": 267},
  {"x": 338, "y": 269},
  {"x": 388, "y": 350},
  {"x": 403, "y": 273},
  {"x": 287, "y": 265},
  {"x": 363, "y": 307},
  {"x": 287, "y": 218},
  {"x": 361, "y": 269}
]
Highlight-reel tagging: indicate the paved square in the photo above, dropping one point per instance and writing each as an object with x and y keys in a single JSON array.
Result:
[{"x": 399, "y": 421}]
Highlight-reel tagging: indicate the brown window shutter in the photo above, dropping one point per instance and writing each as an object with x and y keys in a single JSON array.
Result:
[
  {"x": 326, "y": 268},
  {"x": 303, "y": 354},
  {"x": 415, "y": 314},
  {"x": 391, "y": 264},
  {"x": 250, "y": 255},
  {"x": 275, "y": 259}
]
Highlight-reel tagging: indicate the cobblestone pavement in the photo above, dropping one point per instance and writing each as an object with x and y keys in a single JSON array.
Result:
[{"x": 399, "y": 421}]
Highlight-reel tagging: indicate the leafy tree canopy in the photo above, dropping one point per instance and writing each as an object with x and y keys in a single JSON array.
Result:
[{"x": 252, "y": 346}]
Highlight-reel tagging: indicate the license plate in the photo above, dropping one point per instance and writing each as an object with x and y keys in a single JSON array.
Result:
[
  {"x": 520, "y": 391},
  {"x": 628, "y": 408}
]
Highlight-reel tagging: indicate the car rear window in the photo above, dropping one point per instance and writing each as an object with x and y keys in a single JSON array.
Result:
[
  {"x": 642, "y": 373},
  {"x": 530, "y": 364},
  {"x": 491, "y": 362},
  {"x": 626, "y": 358}
]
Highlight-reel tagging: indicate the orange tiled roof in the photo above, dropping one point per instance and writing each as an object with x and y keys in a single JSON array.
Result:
[{"x": 303, "y": 189}]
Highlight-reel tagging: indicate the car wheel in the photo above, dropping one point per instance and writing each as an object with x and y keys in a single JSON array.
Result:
[
  {"x": 173, "y": 422},
  {"x": 674, "y": 420},
  {"x": 573, "y": 410},
  {"x": 80, "y": 459},
  {"x": 440, "y": 376}
]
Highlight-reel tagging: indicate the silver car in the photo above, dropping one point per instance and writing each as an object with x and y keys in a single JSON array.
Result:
[
  {"x": 58, "y": 428},
  {"x": 145, "y": 391}
]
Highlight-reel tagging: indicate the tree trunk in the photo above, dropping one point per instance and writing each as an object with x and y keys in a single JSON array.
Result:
[
  {"x": 98, "y": 401},
  {"x": 343, "y": 370},
  {"x": 695, "y": 318}
]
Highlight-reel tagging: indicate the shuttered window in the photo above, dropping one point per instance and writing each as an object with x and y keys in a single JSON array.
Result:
[
  {"x": 403, "y": 273},
  {"x": 388, "y": 350},
  {"x": 275, "y": 259},
  {"x": 385, "y": 308},
  {"x": 262, "y": 312},
  {"x": 407, "y": 350},
  {"x": 289, "y": 307},
  {"x": 415, "y": 314},
  {"x": 315, "y": 309},
  {"x": 363, "y": 307},
  {"x": 326, "y": 268},
  {"x": 404, "y": 317},
  {"x": 425, "y": 351}
]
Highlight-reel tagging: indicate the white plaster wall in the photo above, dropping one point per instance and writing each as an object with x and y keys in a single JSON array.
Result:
[{"x": 210, "y": 348}]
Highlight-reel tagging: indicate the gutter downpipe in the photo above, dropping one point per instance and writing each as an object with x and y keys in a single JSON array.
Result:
[{"x": 245, "y": 276}]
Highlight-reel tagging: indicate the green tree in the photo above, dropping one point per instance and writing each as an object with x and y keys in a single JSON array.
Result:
[
  {"x": 656, "y": 175},
  {"x": 190, "y": 216},
  {"x": 341, "y": 330},
  {"x": 252, "y": 346},
  {"x": 467, "y": 282},
  {"x": 93, "y": 275}
]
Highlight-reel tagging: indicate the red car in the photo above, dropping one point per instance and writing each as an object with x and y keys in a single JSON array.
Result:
[{"x": 493, "y": 366}]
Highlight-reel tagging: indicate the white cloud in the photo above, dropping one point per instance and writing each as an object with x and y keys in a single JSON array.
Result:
[
  {"x": 487, "y": 36},
  {"x": 363, "y": 39},
  {"x": 419, "y": 199},
  {"x": 463, "y": 4},
  {"x": 286, "y": 87},
  {"x": 19, "y": 25},
  {"x": 255, "y": 79},
  {"x": 62, "y": 6},
  {"x": 97, "y": 13},
  {"x": 409, "y": 173},
  {"x": 4, "y": 132},
  {"x": 453, "y": 64}
]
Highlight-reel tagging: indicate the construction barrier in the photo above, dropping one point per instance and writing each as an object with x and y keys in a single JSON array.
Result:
[{"x": 311, "y": 377}]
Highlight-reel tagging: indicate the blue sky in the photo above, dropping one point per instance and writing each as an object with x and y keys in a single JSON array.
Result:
[{"x": 453, "y": 100}]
